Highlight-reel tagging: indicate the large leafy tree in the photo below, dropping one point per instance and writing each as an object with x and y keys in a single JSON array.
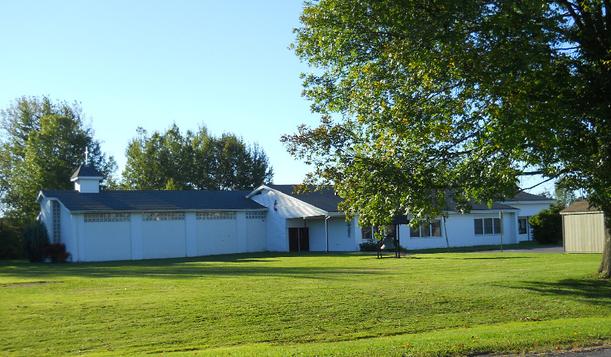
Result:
[
  {"x": 421, "y": 100},
  {"x": 196, "y": 160},
  {"x": 42, "y": 143}
]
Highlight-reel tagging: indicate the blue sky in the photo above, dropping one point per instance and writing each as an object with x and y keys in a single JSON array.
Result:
[{"x": 222, "y": 64}]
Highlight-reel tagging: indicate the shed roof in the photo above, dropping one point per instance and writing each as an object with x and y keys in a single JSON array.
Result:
[
  {"x": 580, "y": 206},
  {"x": 153, "y": 200}
]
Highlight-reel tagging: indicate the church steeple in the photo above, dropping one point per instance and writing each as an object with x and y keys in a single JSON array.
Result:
[{"x": 86, "y": 179}]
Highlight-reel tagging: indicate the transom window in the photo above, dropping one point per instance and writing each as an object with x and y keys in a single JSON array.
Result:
[
  {"x": 487, "y": 226},
  {"x": 107, "y": 217},
  {"x": 426, "y": 229},
  {"x": 163, "y": 216},
  {"x": 216, "y": 215},
  {"x": 256, "y": 215}
]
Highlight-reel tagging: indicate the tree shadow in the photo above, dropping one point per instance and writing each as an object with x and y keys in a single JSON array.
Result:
[
  {"x": 183, "y": 268},
  {"x": 468, "y": 258},
  {"x": 587, "y": 290}
]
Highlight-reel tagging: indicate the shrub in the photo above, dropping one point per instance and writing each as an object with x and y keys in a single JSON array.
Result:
[
  {"x": 36, "y": 241},
  {"x": 11, "y": 244},
  {"x": 57, "y": 253},
  {"x": 370, "y": 246},
  {"x": 547, "y": 225}
]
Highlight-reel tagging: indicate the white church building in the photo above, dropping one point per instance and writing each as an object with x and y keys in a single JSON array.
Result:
[{"x": 99, "y": 225}]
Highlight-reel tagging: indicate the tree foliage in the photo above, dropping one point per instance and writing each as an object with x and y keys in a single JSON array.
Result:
[
  {"x": 195, "y": 160},
  {"x": 419, "y": 99},
  {"x": 547, "y": 225},
  {"x": 42, "y": 143}
]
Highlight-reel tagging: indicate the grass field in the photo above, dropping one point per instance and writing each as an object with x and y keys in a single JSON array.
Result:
[{"x": 352, "y": 304}]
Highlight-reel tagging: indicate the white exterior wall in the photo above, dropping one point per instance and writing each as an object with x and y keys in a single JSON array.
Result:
[
  {"x": 46, "y": 215},
  {"x": 461, "y": 233},
  {"x": 316, "y": 230},
  {"x": 103, "y": 241},
  {"x": 87, "y": 185},
  {"x": 139, "y": 239},
  {"x": 256, "y": 234},
  {"x": 341, "y": 235},
  {"x": 527, "y": 209},
  {"x": 282, "y": 207},
  {"x": 218, "y": 236},
  {"x": 163, "y": 239},
  {"x": 339, "y": 238},
  {"x": 67, "y": 232}
]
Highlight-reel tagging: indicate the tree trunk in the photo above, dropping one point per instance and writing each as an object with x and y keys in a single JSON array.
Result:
[{"x": 605, "y": 265}]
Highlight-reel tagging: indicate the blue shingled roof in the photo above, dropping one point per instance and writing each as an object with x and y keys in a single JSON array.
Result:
[
  {"x": 153, "y": 200},
  {"x": 327, "y": 200}
]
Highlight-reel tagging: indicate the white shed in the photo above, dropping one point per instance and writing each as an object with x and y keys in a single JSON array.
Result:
[{"x": 583, "y": 228}]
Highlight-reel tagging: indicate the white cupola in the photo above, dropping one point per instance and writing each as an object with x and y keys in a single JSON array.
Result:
[{"x": 86, "y": 179}]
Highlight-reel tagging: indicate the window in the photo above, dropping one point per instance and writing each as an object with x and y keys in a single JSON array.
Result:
[
  {"x": 256, "y": 215},
  {"x": 163, "y": 216},
  {"x": 367, "y": 233},
  {"x": 216, "y": 215},
  {"x": 106, "y": 217},
  {"x": 487, "y": 226},
  {"x": 479, "y": 226},
  {"x": 436, "y": 228},
  {"x": 426, "y": 229},
  {"x": 348, "y": 228},
  {"x": 523, "y": 225},
  {"x": 56, "y": 221}
]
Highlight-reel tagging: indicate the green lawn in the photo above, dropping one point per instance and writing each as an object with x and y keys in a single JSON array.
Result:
[{"x": 351, "y": 304}]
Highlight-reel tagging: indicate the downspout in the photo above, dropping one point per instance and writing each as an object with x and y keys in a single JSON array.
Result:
[
  {"x": 327, "y": 233},
  {"x": 445, "y": 232}
]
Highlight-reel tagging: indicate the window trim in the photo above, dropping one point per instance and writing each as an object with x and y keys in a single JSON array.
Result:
[
  {"x": 429, "y": 225},
  {"x": 484, "y": 222}
]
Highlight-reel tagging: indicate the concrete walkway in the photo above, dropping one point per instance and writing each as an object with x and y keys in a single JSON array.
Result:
[
  {"x": 554, "y": 249},
  {"x": 603, "y": 351}
]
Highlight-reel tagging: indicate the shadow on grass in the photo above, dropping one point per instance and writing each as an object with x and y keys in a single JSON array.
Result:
[
  {"x": 469, "y": 258},
  {"x": 586, "y": 290},
  {"x": 184, "y": 268}
]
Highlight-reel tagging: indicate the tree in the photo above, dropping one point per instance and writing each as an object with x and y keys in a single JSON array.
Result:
[
  {"x": 174, "y": 161},
  {"x": 420, "y": 100},
  {"x": 547, "y": 225},
  {"x": 43, "y": 142}
]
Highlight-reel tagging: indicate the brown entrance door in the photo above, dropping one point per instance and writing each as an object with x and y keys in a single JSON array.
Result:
[{"x": 299, "y": 239}]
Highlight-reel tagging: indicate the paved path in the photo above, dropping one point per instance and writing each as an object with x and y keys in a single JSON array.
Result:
[
  {"x": 554, "y": 249},
  {"x": 587, "y": 352}
]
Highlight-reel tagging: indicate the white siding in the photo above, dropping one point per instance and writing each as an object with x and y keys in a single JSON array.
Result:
[
  {"x": 67, "y": 232},
  {"x": 104, "y": 241},
  {"x": 256, "y": 235},
  {"x": 163, "y": 239},
  {"x": 217, "y": 236},
  {"x": 316, "y": 230},
  {"x": 527, "y": 209},
  {"x": 339, "y": 238},
  {"x": 460, "y": 232}
]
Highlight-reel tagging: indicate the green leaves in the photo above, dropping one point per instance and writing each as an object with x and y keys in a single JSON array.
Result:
[
  {"x": 196, "y": 160},
  {"x": 43, "y": 143},
  {"x": 424, "y": 100}
]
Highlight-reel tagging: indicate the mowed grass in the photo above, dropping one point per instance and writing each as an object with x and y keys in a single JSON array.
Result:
[{"x": 339, "y": 304}]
